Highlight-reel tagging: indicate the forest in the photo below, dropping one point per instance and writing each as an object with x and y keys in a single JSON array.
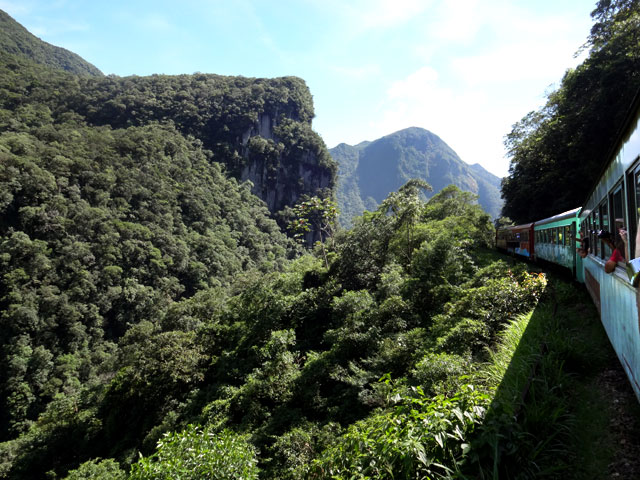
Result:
[
  {"x": 158, "y": 320},
  {"x": 557, "y": 152}
]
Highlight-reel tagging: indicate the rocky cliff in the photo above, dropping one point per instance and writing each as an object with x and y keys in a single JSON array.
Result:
[{"x": 282, "y": 173}]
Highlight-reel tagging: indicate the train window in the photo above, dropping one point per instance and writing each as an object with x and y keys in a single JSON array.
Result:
[
  {"x": 567, "y": 235},
  {"x": 554, "y": 236},
  {"x": 595, "y": 226},
  {"x": 605, "y": 251},
  {"x": 560, "y": 236},
  {"x": 616, "y": 205},
  {"x": 633, "y": 180}
]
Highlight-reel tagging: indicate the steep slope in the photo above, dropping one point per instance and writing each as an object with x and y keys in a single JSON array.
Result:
[
  {"x": 369, "y": 171},
  {"x": 17, "y": 40}
]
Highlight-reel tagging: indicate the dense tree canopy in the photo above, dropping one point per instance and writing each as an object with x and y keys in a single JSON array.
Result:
[{"x": 558, "y": 151}]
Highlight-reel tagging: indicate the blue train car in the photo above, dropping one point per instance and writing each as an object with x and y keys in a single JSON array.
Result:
[
  {"x": 614, "y": 205},
  {"x": 555, "y": 241}
]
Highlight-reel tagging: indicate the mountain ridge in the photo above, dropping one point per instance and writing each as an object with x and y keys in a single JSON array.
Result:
[{"x": 17, "y": 40}]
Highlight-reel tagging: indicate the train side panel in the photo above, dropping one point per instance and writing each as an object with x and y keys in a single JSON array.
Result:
[
  {"x": 615, "y": 299},
  {"x": 555, "y": 241}
]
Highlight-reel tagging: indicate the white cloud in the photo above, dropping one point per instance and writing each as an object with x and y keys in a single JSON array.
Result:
[
  {"x": 363, "y": 15},
  {"x": 156, "y": 23},
  {"x": 362, "y": 72},
  {"x": 455, "y": 22},
  {"x": 14, "y": 8},
  {"x": 468, "y": 120},
  {"x": 390, "y": 13},
  {"x": 485, "y": 65}
]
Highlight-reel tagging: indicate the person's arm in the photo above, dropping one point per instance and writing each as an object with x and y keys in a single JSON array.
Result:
[{"x": 610, "y": 266}]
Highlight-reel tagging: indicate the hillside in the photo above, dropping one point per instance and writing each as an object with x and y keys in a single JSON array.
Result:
[
  {"x": 17, "y": 40},
  {"x": 369, "y": 171}
]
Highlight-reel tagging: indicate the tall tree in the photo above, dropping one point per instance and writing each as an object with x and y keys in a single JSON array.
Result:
[
  {"x": 558, "y": 151},
  {"x": 406, "y": 205}
]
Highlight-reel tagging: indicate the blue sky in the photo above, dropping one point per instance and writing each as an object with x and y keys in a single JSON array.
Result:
[{"x": 466, "y": 70}]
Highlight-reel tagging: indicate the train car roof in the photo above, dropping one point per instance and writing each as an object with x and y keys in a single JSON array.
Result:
[
  {"x": 517, "y": 227},
  {"x": 560, "y": 216}
]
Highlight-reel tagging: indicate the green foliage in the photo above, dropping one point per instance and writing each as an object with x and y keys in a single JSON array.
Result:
[
  {"x": 420, "y": 438},
  {"x": 97, "y": 470},
  {"x": 315, "y": 218},
  {"x": 405, "y": 207},
  {"x": 199, "y": 453},
  {"x": 471, "y": 322},
  {"x": 315, "y": 214},
  {"x": 440, "y": 373},
  {"x": 144, "y": 291}
]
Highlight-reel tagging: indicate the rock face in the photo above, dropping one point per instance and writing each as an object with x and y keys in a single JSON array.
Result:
[
  {"x": 280, "y": 176},
  {"x": 369, "y": 171}
]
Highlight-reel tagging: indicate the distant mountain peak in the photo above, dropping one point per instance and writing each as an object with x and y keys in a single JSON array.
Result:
[{"x": 367, "y": 173}]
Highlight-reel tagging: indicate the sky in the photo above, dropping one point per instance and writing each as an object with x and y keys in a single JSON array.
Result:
[{"x": 466, "y": 70}]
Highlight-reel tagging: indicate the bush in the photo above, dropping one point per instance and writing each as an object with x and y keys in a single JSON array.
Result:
[
  {"x": 199, "y": 453},
  {"x": 440, "y": 373},
  {"x": 417, "y": 439},
  {"x": 97, "y": 470}
]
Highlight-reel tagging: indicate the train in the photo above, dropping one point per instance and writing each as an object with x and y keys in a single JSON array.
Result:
[{"x": 612, "y": 205}]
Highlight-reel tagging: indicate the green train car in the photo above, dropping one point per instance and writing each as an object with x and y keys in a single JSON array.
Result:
[{"x": 555, "y": 240}]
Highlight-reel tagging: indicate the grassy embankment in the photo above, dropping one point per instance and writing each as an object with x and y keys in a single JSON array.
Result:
[{"x": 552, "y": 370}]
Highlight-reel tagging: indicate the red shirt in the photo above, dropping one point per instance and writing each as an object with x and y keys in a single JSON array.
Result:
[{"x": 616, "y": 256}]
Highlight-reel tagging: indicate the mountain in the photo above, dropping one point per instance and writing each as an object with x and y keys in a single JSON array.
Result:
[
  {"x": 369, "y": 171},
  {"x": 17, "y": 40}
]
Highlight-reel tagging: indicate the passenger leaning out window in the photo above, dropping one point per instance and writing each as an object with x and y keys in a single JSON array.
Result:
[{"x": 618, "y": 248}]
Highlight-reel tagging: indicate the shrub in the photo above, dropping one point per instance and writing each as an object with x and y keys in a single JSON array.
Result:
[
  {"x": 417, "y": 439},
  {"x": 199, "y": 453},
  {"x": 440, "y": 373},
  {"x": 97, "y": 470}
]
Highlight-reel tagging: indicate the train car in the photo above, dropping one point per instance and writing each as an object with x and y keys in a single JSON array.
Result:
[
  {"x": 555, "y": 241},
  {"x": 614, "y": 205},
  {"x": 517, "y": 240}
]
